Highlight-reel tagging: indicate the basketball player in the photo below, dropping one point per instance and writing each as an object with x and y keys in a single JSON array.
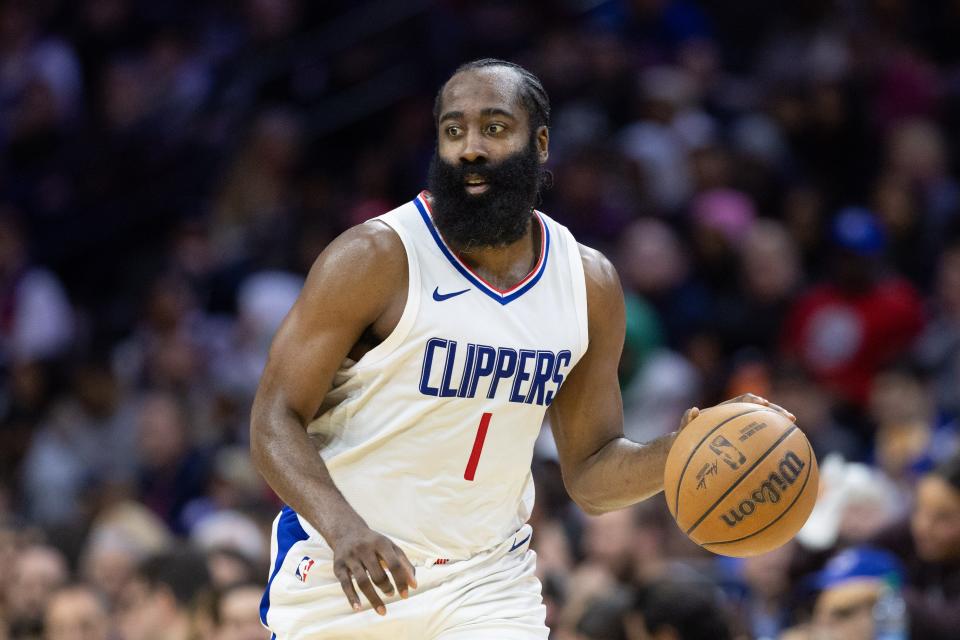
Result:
[{"x": 419, "y": 361}]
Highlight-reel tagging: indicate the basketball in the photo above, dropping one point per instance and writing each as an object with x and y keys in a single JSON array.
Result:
[{"x": 740, "y": 479}]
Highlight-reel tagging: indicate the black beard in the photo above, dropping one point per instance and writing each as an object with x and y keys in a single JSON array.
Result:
[{"x": 495, "y": 218}]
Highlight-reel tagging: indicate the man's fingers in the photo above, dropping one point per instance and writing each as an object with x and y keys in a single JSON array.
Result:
[
  {"x": 755, "y": 399},
  {"x": 689, "y": 415},
  {"x": 400, "y": 568},
  {"x": 411, "y": 572},
  {"x": 378, "y": 575},
  {"x": 359, "y": 574},
  {"x": 371, "y": 563},
  {"x": 780, "y": 409},
  {"x": 346, "y": 583}
]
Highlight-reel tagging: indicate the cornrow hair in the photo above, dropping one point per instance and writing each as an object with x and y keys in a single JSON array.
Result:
[{"x": 532, "y": 94}]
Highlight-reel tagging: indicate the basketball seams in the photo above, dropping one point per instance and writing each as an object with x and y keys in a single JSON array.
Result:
[
  {"x": 693, "y": 452},
  {"x": 736, "y": 483},
  {"x": 782, "y": 513}
]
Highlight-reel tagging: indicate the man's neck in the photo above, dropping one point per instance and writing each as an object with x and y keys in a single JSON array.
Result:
[{"x": 507, "y": 265}]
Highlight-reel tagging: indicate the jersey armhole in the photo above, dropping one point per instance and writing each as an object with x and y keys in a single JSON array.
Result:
[
  {"x": 579, "y": 284},
  {"x": 400, "y": 332}
]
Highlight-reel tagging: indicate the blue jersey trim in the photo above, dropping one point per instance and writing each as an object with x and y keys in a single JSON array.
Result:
[
  {"x": 482, "y": 286},
  {"x": 289, "y": 532}
]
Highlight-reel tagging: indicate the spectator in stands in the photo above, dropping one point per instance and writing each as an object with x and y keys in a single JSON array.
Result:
[
  {"x": 929, "y": 548},
  {"x": 85, "y": 442},
  {"x": 770, "y": 277},
  {"x": 77, "y": 613},
  {"x": 909, "y": 439},
  {"x": 939, "y": 346},
  {"x": 793, "y": 387},
  {"x": 678, "y": 610},
  {"x": 238, "y": 613},
  {"x": 161, "y": 604},
  {"x": 37, "y": 321},
  {"x": 38, "y": 571},
  {"x": 253, "y": 209},
  {"x": 603, "y": 618},
  {"x": 229, "y": 567},
  {"x": 231, "y": 531},
  {"x": 849, "y": 588},
  {"x": 172, "y": 470},
  {"x": 845, "y": 329},
  {"x": 120, "y": 538},
  {"x": 629, "y": 544},
  {"x": 917, "y": 154},
  {"x": 856, "y": 502},
  {"x": 169, "y": 347},
  {"x": 762, "y": 586}
]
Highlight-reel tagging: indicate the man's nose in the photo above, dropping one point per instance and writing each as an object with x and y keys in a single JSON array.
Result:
[{"x": 473, "y": 148}]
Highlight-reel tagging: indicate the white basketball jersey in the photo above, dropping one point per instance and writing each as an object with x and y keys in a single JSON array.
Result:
[{"x": 430, "y": 434}]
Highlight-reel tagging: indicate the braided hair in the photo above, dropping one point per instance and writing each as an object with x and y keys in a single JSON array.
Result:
[{"x": 532, "y": 94}]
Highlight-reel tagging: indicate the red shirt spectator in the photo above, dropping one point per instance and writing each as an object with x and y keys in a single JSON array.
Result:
[{"x": 844, "y": 330}]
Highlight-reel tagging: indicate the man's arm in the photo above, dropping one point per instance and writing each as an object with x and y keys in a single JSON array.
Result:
[
  {"x": 358, "y": 282},
  {"x": 603, "y": 470}
]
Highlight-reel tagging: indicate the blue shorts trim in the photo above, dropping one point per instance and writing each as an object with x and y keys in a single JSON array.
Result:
[{"x": 289, "y": 532}]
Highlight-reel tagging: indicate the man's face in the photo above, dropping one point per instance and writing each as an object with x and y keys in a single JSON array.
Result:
[
  {"x": 485, "y": 175},
  {"x": 481, "y": 117},
  {"x": 143, "y": 613},
  {"x": 936, "y": 520},
  {"x": 37, "y": 572},
  {"x": 76, "y": 614},
  {"x": 239, "y": 616},
  {"x": 845, "y": 612}
]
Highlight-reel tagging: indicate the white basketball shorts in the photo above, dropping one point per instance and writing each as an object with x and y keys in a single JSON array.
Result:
[{"x": 493, "y": 595}]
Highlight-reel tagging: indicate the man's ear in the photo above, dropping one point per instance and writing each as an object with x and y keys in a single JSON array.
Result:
[{"x": 543, "y": 144}]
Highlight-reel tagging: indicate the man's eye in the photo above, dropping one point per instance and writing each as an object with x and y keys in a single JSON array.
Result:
[
  {"x": 453, "y": 131},
  {"x": 495, "y": 128}
]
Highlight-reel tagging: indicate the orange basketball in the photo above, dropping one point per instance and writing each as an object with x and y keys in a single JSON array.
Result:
[{"x": 740, "y": 479}]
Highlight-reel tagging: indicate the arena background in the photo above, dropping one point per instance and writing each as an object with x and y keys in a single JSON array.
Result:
[{"x": 776, "y": 183}]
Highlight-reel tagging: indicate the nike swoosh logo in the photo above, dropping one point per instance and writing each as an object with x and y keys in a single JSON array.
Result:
[
  {"x": 519, "y": 544},
  {"x": 440, "y": 297}
]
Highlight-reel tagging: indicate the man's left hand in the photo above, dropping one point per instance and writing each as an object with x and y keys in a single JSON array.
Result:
[{"x": 693, "y": 412}]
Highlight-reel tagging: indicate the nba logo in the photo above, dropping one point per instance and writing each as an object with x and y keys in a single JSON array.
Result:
[
  {"x": 727, "y": 452},
  {"x": 304, "y": 568}
]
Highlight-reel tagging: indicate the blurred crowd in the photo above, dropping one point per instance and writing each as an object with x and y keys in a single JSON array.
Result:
[{"x": 776, "y": 183}]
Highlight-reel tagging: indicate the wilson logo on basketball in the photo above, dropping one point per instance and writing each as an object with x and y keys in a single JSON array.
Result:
[{"x": 770, "y": 490}]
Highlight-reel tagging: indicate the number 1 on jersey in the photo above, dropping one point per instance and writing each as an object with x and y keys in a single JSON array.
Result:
[{"x": 477, "y": 447}]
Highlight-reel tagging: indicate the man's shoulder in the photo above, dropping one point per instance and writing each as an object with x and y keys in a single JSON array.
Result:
[
  {"x": 370, "y": 240},
  {"x": 368, "y": 255},
  {"x": 598, "y": 270},
  {"x": 605, "y": 303}
]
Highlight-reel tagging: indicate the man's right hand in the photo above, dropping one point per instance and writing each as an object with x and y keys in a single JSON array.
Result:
[{"x": 362, "y": 554}]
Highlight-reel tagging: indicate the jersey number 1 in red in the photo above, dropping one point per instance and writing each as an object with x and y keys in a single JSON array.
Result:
[{"x": 477, "y": 447}]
